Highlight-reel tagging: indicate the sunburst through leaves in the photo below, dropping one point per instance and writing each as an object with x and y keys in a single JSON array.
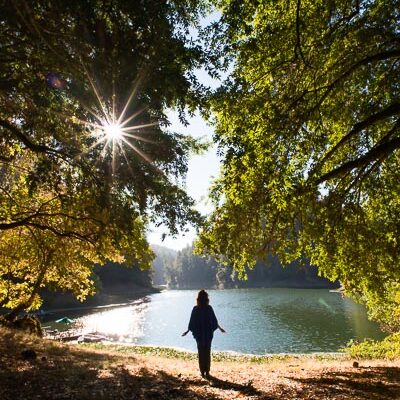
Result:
[{"x": 113, "y": 131}]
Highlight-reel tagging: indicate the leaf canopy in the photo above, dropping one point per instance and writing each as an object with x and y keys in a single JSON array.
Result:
[
  {"x": 308, "y": 128},
  {"x": 71, "y": 196}
]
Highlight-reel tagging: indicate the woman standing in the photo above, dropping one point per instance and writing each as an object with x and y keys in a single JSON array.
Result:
[{"x": 202, "y": 324}]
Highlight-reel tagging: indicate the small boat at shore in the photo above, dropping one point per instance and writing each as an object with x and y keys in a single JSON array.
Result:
[
  {"x": 91, "y": 338},
  {"x": 68, "y": 336}
]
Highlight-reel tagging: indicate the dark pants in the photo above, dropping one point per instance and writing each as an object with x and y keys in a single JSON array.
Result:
[{"x": 204, "y": 352}]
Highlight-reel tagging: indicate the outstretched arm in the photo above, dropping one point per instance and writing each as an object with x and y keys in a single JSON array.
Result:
[
  {"x": 215, "y": 322},
  {"x": 191, "y": 324}
]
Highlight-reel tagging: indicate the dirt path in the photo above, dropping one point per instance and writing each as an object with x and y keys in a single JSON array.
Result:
[{"x": 73, "y": 372}]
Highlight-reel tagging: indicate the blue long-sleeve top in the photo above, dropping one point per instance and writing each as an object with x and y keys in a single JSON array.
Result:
[{"x": 203, "y": 323}]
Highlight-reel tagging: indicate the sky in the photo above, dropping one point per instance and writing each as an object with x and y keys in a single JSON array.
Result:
[{"x": 202, "y": 170}]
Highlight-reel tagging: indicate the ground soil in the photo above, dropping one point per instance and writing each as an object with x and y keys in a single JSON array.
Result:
[{"x": 61, "y": 371}]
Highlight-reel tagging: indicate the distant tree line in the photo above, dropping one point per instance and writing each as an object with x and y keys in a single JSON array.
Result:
[
  {"x": 110, "y": 280},
  {"x": 185, "y": 270},
  {"x": 114, "y": 276}
]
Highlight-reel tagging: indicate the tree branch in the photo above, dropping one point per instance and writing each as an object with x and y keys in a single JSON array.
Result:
[
  {"x": 30, "y": 221},
  {"x": 70, "y": 158},
  {"x": 77, "y": 235},
  {"x": 329, "y": 87},
  {"x": 298, "y": 39},
  {"x": 23, "y": 221},
  {"x": 37, "y": 148},
  {"x": 384, "y": 55},
  {"x": 393, "y": 109},
  {"x": 382, "y": 150}
]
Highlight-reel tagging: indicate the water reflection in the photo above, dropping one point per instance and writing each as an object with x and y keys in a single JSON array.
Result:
[
  {"x": 257, "y": 320},
  {"x": 314, "y": 320},
  {"x": 118, "y": 323},
  {"x": 124, "y": 324}
]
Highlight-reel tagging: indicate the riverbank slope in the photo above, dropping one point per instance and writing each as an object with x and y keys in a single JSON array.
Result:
[{"x": 62, "y": 371}]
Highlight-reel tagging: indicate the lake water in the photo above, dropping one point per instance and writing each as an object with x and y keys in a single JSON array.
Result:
[{"x": 257, "y": 321}]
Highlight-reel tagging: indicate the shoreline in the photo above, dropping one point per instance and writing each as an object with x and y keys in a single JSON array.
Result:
[
  {"x": 93, "y": 307},
  {"x": 100, "y": 341},
  {"x": 98, "y": 301},
  {"x": 279, "y": 286},
  {"x": 225, "y": 355}
]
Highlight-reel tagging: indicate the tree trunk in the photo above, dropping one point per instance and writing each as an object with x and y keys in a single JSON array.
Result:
[{"x": 12, "y": 316}]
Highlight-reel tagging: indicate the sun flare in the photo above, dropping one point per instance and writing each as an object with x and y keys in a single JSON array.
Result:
[
  {"x": 112, "y": 131},
  {"x": 116, "y": 131}
]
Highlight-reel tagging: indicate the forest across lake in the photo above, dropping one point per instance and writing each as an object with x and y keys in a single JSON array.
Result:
[{"x": 257, "y": 321}]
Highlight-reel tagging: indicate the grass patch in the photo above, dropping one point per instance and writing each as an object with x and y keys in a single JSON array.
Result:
[
  {"x": 172, "y": 353},
  {"x": 141, "y": 350},
  {"x": 387, "y": 349}
]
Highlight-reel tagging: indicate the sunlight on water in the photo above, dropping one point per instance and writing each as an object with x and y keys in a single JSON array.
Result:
[
  {"x": 124, "y": 324},
  {"x": 257, "y": 321}
]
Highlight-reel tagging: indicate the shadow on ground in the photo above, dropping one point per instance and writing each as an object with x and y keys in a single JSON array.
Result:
[
  {"x": 363, "y": 383},
  {"x": 62, "y": 372},
  {"x": 93, "y": 376}
]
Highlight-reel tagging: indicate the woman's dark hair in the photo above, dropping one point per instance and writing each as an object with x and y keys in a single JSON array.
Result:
[{"x": 202, "y": 298}]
